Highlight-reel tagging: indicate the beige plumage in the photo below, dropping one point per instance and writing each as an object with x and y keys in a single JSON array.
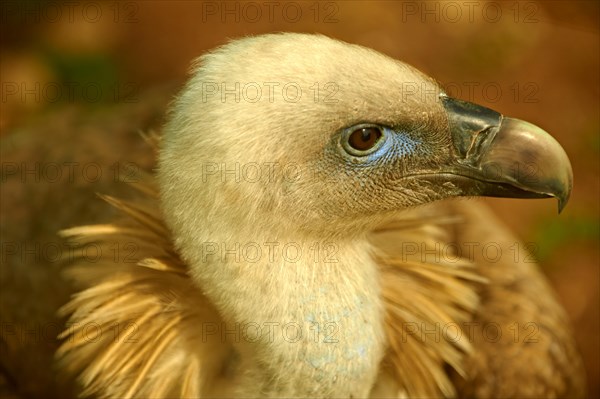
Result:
[{"x": 185, "y": 316}]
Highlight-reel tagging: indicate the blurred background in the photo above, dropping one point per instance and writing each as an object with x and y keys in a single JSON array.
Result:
[{"x": 81, "y": 79}]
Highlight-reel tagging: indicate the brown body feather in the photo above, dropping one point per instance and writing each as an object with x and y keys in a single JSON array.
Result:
[{"x": 138, "y": 327}]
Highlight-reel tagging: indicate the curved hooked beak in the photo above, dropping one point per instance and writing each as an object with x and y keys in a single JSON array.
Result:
[{"x": 497, "y": 156}]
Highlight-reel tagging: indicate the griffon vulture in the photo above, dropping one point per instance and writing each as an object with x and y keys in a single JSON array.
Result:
[{"x": 293, "y": 242}]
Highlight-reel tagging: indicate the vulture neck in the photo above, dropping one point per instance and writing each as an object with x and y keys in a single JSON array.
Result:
[{"x": 309, "y": 312}]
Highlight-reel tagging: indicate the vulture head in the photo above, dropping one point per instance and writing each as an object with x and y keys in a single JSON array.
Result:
[
  {"x": 303, "y": 134},
  {"x": 280, "y": 156}
]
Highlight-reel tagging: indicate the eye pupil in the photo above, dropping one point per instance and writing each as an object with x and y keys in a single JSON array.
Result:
[{"x": 364, "y": 138}]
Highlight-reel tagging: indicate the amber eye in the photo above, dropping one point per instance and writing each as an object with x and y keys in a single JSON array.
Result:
[{"x": 364, "y": 138}]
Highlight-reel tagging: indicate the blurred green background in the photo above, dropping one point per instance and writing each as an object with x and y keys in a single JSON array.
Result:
[{"x": 79, "y": 79}]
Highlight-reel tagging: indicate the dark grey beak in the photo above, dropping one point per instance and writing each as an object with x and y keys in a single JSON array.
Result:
[{"x": 497, "y": 156}]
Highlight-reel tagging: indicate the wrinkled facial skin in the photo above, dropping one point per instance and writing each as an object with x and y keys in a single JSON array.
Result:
[
  {"x": 335, "y": 183},
  {"x": 377, "y": 181}
]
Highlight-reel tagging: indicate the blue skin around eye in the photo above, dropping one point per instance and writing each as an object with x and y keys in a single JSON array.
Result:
[{"x": 397, "y": 144}]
